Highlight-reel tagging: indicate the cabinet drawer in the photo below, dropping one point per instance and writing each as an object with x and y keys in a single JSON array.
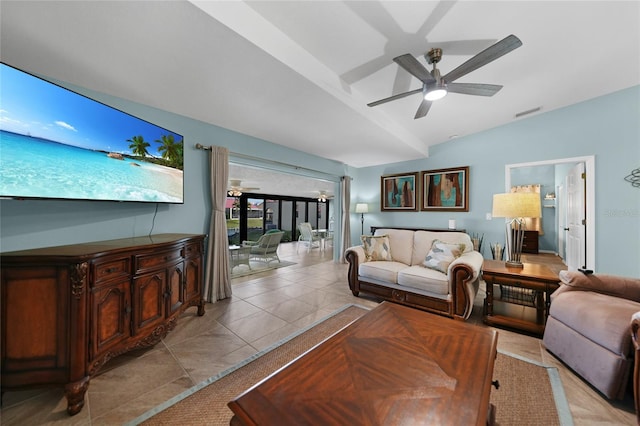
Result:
[
  {"x": 515, "y": 282},
  {"x": 157, "y": 260},
  {"x": 110, "y": 269},
  {"x": 530, "y": 242},
  {"x": 192, "y": 250}
]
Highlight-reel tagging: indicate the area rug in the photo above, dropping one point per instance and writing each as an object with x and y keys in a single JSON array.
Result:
[
  {"x": 529, "y": 393},
  {"x": 258, "y": 267}
]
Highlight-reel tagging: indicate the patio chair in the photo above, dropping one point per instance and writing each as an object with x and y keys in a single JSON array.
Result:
[
  {"x": 307, "y": 237},
  {"x": 266, "y": 248}
]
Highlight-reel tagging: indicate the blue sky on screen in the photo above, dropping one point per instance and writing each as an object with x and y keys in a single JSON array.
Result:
[{"x": 31, "y": 106}]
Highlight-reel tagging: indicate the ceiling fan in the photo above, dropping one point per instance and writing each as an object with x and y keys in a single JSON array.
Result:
[
  {"x": 236, "y": 189},
  {"x": 323, "y": 196},
  {"x": 435, "y": 86}
]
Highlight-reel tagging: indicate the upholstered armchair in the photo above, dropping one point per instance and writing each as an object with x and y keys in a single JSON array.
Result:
[
  {"x": 266, "y": 248},
  {"x": 589, "y": 328},
  {"x": 635, "y": 336}
]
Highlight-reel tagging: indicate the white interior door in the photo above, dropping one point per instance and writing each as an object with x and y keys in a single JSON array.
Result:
[
  {"x": 561, "y": 215},
  {"x": 576, "y": 218},
  {"x": 587, "y": 200}
]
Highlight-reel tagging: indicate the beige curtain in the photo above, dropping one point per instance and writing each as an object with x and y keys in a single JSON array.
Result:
[
  {"x": 345, "y": 231},
  {"x": 217, "y": 284},
  {"x": 531, "y": 223}
]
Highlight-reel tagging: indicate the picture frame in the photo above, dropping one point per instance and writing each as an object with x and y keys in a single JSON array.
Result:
[
  {"x": 399, "y": 192},
  {"x": 445, "y": 190}
]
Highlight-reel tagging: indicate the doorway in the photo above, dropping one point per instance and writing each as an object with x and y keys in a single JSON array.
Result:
[{"x": 586, "y": 249}]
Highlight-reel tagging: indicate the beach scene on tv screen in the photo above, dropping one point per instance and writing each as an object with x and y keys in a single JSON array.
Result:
[{"x": 55, "y": 143}]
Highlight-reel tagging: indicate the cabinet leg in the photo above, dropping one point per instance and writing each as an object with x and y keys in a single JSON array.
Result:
[
  {"x": 201, "y": 308},
  {"x": 75, "y": 392}
]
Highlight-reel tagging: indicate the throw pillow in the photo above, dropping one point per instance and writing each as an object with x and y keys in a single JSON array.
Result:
[
  {"x": 376, "y": 247},
  {"x": 442, "y": 254}
]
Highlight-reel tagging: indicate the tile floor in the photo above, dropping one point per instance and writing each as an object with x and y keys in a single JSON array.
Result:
[{"x": 264, "y": 309}]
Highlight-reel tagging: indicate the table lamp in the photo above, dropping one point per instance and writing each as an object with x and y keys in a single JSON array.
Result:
[
  {"x": 362, "y": 208},
  {"x": 515, "y": 206}
]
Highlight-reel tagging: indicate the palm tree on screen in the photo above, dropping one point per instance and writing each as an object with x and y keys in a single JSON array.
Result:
[
  {"x": 138, "y": 146},
  {"x": 171, "y": 150}
]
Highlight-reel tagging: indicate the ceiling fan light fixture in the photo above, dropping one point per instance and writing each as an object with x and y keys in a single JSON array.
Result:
[
  {"x": 436, "y": 93},
  {"x": 234, "y": 193}
]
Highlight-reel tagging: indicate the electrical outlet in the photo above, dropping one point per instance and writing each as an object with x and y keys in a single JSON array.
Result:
[{"x": 488, "y": 217}]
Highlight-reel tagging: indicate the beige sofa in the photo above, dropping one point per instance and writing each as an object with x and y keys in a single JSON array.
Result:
[
  {"x": 589, "y": 328},
  {"x": 399, "y": 274}
]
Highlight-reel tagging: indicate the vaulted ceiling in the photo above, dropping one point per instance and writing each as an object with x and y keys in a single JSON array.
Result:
[{"x": 300, "y": 74}]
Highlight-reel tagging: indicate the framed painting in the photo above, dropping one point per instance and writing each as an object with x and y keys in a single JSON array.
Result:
[
  {"x": 399, "y": 192},
  {"x": 445, "y": 190}
]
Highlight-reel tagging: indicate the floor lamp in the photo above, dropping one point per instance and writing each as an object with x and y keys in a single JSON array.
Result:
[
  {"x": 515, "y": 206},
  {"x": 362, "y": 208}
]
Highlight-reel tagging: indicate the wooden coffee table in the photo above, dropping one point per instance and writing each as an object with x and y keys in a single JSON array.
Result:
[
  {"x": 394, "y": 365},
  {"x": 530, "y": 285}
]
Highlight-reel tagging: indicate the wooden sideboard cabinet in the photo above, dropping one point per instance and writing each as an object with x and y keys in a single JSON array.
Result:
[
  {"x": 530, "y": 242},
  {"x": 68, "y": 310}
]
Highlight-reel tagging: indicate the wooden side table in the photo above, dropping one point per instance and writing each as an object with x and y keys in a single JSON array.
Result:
[{"x": 530, "y": 286}]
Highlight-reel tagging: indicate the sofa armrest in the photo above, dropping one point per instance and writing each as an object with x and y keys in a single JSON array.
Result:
[
  {"x": 612, "y": 285},
  {"x": 473, "y": 259},
  {"x": 635, "y": 337},
  {"x": 358, "y": 252},
  {"x": 463, "y": 276},
  {"x": 354, "y": 256}
]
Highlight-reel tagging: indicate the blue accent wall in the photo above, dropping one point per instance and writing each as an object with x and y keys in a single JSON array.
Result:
[
  {"x": 607, "y": 127},
  {"x": 42, "y": 223}
]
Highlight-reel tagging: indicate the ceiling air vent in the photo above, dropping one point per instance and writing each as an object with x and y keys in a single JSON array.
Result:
[{"x": 527, "y": 112}]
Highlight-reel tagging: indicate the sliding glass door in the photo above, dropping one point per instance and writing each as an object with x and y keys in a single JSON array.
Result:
[{"x": 255, "y": 214}]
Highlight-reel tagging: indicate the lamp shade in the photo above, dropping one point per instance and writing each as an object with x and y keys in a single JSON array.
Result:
[
  {"x": 516, "y": 204},
  {"x": 362, "y": 208}
]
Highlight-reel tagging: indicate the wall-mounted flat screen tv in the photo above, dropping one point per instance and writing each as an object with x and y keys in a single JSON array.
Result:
[{"x": 56, "y": 143}]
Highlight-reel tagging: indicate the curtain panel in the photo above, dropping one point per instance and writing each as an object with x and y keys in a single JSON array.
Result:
[
  {"x": 345, "y": 231},
  {"x": 217, "y": 285}
]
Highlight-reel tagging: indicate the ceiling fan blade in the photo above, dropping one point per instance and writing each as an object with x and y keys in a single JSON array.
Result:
[
  {"x": 488, "y": 55},
  {"x": 394, "y": 97},
  {"x": 415, "y": 68},
  {"x": 477, "y": 89},
  {"x": 423, "y": 109}
]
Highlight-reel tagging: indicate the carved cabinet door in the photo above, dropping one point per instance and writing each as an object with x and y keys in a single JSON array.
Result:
[
  {"x": 193, "y": 278},
  {"x": 149, "y": 300},
  {"x": 35, "y": 324},
  {"x": 175, "y": 288},
  {"x": 110, "y": 316}
]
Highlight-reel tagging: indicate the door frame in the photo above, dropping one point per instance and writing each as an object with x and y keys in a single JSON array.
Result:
[{"x": 590, "y": 195}]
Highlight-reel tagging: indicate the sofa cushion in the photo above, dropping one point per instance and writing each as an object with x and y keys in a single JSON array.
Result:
[
  {"x": 376, "y": 248},
  {"x": 382, "y": 271},
  {"x": 424, "y": 279},
  {"x": 401, "y": 242},
  {"x": 600, "y": 318},
  {"x": 442, "y": 254}
]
